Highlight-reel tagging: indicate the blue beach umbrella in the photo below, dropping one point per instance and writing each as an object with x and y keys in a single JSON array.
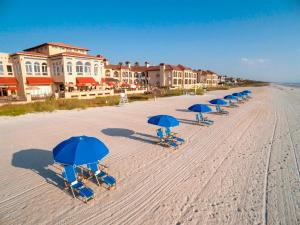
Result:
[
  {"x": 237, "y": 94},
  {"x": 248, "y": 91},
  {"x": 244, "y": 94},
  {"x": 203, "y": 108},
  {"x": 80, "y": 150},
  {"x": 218, "y": 101},
  {"x": 163, "y": 121},
  {"x": 231, "y": 97}
]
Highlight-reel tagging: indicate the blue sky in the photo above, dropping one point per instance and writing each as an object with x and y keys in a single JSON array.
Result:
[{"x": 256, "y": 39}]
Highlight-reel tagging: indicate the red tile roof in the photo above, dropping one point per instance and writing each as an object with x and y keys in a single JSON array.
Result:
[
  {"x": 31, "y": 54},
  {"x": 116, "y": 67},
  {"x": 139, "y": 68},
  {"x": 60, "y": 44},
  {"x": 77, "y": 55},
  {"x": 8, "y": 80},
  {"x": 39, "y": 80},
  {"x": 153, "y": 68}
]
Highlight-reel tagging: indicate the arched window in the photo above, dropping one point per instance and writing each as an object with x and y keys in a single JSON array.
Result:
[
  {"x": 37, "y": 69},
  {"x": 28, "y": 67},
  {"x": 96, "y": 70},
  {"x": 69, "y": 68},
  {"x": 107, "y": 73},
  {"x": 87, "y": 68},
  {"x": 1, "y": 68},
  {"x": 79, "y": 68},
  {"x": 116, "y": 74},
  {"x": 44, "y": 69}
]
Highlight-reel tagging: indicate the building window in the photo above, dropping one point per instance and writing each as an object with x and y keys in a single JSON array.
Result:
[
  {"x": 87, "y": 68},
  {"x": 116, "y": 74},
  {"x": 175, "y": 82},
  {"x": 44, "y": 69},
  {"x": 37, "y": 69},
  {"x": 1, "y": 68},
  {"x": 28, "y": 67},
  {"x": 69, "y": 68},
  {"x": 79, "y": 68},
  {"x": 96, "y": 70},
  {"x": 9, "y": 70},
  {"x": 107, "y": 73}
]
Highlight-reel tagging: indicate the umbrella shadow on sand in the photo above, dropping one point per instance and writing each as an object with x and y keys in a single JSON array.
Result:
[
  {"x": 38, "y": 161},
  {"x": 137, "y": 136},
  {"x": 183, "y": 110}
]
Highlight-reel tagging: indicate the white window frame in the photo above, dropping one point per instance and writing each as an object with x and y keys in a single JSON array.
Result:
[
  {"x": 79, "y": 68},
  {"x": 37, "y": 68},
  {"x": 44, "y": 68},
  {"x": 96, "y": 69},
  {"x": 87, "y": 68},
  {"x": 28, "y": 66},
  {"x": 69, "y": 68},
  {"x": 1, "y": 68}
]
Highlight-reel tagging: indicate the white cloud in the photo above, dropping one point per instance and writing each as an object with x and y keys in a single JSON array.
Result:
[{"x": 253, "y": 61}]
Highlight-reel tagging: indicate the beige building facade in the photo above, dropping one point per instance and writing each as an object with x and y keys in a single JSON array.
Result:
[
  {"x": 166, "y": 75},
  {"x": 50, "y": 68}
]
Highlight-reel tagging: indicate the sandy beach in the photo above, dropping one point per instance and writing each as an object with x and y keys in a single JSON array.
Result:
[{"x": 242, "y": 170}]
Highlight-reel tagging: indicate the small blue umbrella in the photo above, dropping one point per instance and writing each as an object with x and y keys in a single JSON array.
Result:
[
  {"x": 80, "y": 150},
  {"x": 203, "y": 108},
  {"x": 248, "y": 91},
  {"x": 231, "y": 97},
  {"x": 163, "y": 121},
  {"x": 243, "y": 94},
  {"x": 218, "y": 101}
]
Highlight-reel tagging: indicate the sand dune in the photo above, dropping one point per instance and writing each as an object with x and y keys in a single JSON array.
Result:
[{"x": 242, "y": 170}]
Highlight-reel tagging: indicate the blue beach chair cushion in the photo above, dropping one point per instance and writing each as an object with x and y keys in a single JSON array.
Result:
[
  {"x": 200, "y": 119},
  {"x": 219, "y": 110},
  {"x": 169, "y": 134},
  {"x": 165, "y": 141},
  {"x": 70, "y": 177},
  {"x": 104, "y": 178}
]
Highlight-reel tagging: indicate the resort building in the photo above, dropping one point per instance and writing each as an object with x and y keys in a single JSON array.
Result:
[
  {"x": 50, "y": 68},
  {"x": 63, "y": 70},
  {"x": 125, "y": 74},
  {"x": 177, "y": 76},
  {"x": 8, "y": 81},
  {"x": 208, "y": 78}
]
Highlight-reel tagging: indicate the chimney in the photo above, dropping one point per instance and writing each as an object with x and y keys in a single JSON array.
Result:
[
  {"x": 128, "y": 64},
  {"x": 147, "y": 64},
  {"x": 120, "y": 64},
  {"x": 106, "y": 62},
  {"x": 136, "y": 64}
]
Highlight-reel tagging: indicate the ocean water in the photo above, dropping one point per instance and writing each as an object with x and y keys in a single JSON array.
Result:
[{"x": 294, "y": 85}]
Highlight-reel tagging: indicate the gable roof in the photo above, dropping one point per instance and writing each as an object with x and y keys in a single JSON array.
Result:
[{"x": 60, "y": 44}]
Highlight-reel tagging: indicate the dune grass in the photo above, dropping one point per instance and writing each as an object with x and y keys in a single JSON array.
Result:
[{"x": 50, "y": 105}]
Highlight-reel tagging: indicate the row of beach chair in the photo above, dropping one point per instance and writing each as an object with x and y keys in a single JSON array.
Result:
[
  {"x": 169, "y": 139},
  {"x": 75, "y": 177}
]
